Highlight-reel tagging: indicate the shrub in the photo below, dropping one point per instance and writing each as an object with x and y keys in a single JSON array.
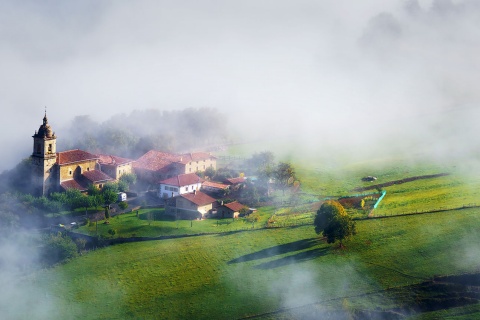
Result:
[
  {"x": 112, "y": 232},
  {"x": 123, "y": 205},
  {"x": 58, "y": 248}
]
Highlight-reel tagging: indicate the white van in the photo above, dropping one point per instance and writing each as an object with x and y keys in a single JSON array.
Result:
[{"x": 122, "y": 196}]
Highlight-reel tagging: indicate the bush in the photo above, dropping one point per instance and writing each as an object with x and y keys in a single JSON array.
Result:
[
  {"x": 58, "y": 248},
  {"x": 123, "y": 205},
  {"x": 112, "y": 232}
]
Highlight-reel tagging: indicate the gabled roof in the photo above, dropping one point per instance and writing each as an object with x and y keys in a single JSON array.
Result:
[
  {"x": 96, "y": 176},
  {"x": 235, "y": 180},
  {"x": 216, "y": 185},
  {"x": 73, "y": 156},
  {"x": 182, "y": 180},
  {"x": 234, "y": 206},
  {"x": 105, "y": 159},
  {"x": 73, "y": 184},
  {"x": 156, "y": 160},
  {"x": 199, "y": 198}
]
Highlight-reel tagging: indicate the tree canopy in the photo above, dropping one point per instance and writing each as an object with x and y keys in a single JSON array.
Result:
[{"x": 333, "y": 222}]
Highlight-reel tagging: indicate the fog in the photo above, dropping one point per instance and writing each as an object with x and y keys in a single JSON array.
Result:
[
  {"x": 366, "y": 76},
  {"x": 325, "y": 73}
]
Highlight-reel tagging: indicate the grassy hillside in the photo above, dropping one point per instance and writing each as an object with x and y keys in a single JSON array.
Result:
[{"x": 254, "y": 273}]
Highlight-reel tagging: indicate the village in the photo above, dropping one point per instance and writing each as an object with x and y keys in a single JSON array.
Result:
[{"x": 178, "y": 182}]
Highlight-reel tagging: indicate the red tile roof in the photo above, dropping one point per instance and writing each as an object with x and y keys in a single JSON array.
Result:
[
  {"x": 216, "y": 185},
  {"x": 105, "y": 159},
  {"x": 96, "y": 176},
  {"x": 156, "y": 160},
  {"x": 182, "y": 180},
  {"x": 199, "y": 198},
  {"x": 73, "y": 184},
  {"x": 234, "y": 206},
  {"x": 236, "y": 180},
  {"x": 73, "y": 156}
]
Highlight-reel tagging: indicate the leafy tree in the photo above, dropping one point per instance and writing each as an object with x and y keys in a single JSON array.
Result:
[
  {"x": 123, "y": 186},
  {"x": 110, "y": 186},
  {"x": 109, "y": 193},
  {"x": 74, "y": 198},
  {"x": 129, "y": 178},
  {"x": 284, "y": 175},
  {"x": 58, "y": 248},
  {"x": 93, "y": 190},
  {"x": 333, "y": 222},
  {"x": 209, "y": 172}
]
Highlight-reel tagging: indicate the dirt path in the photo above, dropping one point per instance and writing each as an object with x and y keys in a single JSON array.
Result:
[{"x": 391, "y": 183}]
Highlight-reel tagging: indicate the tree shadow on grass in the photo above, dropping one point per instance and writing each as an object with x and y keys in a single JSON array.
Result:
[
  {"x": 296, "y": 258},
  {"x": 277, "y": 250},
  {"x": 156, "y": 216}
]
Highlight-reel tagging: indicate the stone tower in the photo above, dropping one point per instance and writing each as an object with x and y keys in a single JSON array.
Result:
[{"x": 44, "y": 159}]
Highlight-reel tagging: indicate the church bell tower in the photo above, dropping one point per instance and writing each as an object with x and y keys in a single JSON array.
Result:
[{"x": 44, "y": 158}]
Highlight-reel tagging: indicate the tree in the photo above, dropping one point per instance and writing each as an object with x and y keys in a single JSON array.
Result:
[
  {"x": 129, "y": 178},
  {"x": 333, "y": 222},
  {"x": 284, "y": 175}
]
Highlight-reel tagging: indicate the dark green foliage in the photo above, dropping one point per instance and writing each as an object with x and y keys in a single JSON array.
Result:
[
  {"x": 333, "y": 222},
  {"x": 58, "y": 248},
  {"x": 130, "y": 178},
  {"x": 112, "y": 232},
  {"x": 123, "y": 205},
  {"x": 123, "y": 186},
  {"x": 209, "y": 172},
  {"x": 284, "y": 175},
  {"x": 223, "y": 174}
]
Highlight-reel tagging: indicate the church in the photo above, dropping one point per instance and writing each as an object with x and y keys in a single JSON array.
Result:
[
  {"x": 58, "y": 171},
  {"x": 54, "y": 171}
]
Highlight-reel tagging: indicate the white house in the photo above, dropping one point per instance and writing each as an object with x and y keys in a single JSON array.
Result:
[{"x": 181, "y": 184}]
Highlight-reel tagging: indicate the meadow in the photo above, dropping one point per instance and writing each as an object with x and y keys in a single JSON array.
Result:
[
  {"x": 153, "y": 222},
  {"x": 235, "y": 270},
  {"x": 254, "y": 273}
]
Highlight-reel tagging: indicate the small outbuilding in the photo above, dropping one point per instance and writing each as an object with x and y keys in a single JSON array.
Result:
[{"x": 230, "y": 210}]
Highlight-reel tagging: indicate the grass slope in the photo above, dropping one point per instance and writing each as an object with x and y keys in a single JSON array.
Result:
[{"x": 254, "y": 273}]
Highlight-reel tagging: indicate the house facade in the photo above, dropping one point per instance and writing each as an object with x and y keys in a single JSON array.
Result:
[
  {"x": 194, "y": 205},
  {"x": 230, "y": 210},
  {"x": 180, "y": 184}
]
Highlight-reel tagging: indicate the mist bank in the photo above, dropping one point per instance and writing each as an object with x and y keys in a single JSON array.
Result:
[{"x": 370, "y": 77}]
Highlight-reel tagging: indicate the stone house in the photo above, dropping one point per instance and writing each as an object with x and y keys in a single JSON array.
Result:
[
  {"x": 230, "y": 210},
  {"x": 194, "y": 205}
]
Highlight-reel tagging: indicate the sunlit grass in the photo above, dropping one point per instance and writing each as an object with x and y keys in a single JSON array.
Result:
[
  {"x": 247, "y": 273},
  {"x": 154, "y": 223}
]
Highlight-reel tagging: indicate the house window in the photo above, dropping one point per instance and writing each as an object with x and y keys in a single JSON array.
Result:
[
  {"x": 88, "y": 168},
  {"x": 70, "y": 172},
  {"x": 49, "y": 148}
]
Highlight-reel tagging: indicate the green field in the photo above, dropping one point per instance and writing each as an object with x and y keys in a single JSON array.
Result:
[
  {"x": 254, "y": 273},
  {"x": 153, "y": 223}
]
